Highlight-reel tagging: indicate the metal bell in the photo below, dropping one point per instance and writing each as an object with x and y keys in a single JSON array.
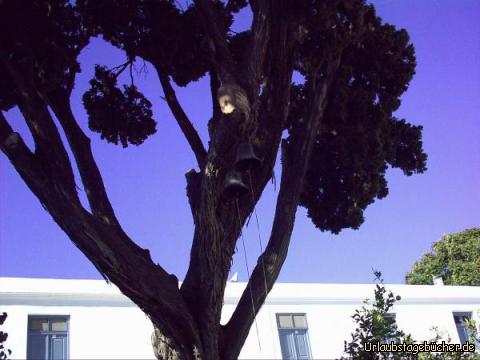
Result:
[
  {"x": 246, "y": 158},
  {"x": 234, "y": 185}
]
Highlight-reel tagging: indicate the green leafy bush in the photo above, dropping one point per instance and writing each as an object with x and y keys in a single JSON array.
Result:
[{"x": 375, "y": 325}]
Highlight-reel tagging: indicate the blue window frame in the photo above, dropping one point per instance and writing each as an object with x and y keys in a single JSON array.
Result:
[
  {"x": 47, "y": 337},
  {"x": 293, "y": 332},
  {"x": 462, "y": 329}
]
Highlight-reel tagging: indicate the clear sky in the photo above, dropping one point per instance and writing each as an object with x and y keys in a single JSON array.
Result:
[{"x": 147, "y": 185}]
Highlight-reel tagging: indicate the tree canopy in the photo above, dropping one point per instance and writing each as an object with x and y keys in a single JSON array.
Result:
[
  {"x": 336, "y": 132},
  {"x": 455, "y": 257},
  {"x": 377, "y": 324}
]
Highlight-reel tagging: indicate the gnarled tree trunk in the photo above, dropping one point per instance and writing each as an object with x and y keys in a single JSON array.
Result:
[{"x": 187, "y": 319}]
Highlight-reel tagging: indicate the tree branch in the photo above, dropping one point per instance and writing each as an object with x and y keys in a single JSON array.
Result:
[
  {"x": 13, "y": 146},
  {"x": 49, "y": 149},
  {"x": 49, "y": 175},
  {"x": 115, "y": 255},
  {"x": 296, "y": 157},
  {"x": 182, "y": 119},
  {"x": 262, "y": 11},
  {"x": 124, "y": 263},
  {"x": 222, "y": 58},
  {"x": 82, "y": 151}
]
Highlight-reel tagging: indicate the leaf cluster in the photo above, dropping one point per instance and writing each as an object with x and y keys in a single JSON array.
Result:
[
  {"x": 441, "y": 336},
  {"x": 158, "y": 31},
  {"x": 455, "y": 257},
  {"x": 119, "y": 116},
  {"x": 359, "y": 137},
  {"x": 375, "y": 324},
  {"x": 43, "y": 39},
  {"x": 169, "y": 37}
]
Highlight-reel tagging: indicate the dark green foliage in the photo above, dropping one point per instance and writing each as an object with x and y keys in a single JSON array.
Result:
[
  {"x": 44, "y": 38},
  {"x": 360, "y": 137},
  {"x": 328, "y": 25},
  {"x": 234, "y": 6},
  {"x": 155, "y": 30},
  {"x": 238, "y": 44},
  {"x": 456, "y": 258},
  {"x": 119, "y": 116},
  {"x": 169, "y": 37},
  {"x": 4, "y": 353}
]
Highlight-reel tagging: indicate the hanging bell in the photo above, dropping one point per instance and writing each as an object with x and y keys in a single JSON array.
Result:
[
  {"x": 246, "y": 158},
  {"x": 234, "y": 185}
]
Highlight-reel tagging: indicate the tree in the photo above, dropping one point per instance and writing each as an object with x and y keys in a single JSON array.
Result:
[
  {"x": 341, "y": 134},
  {"x": 375, "y": 326},
  {"x": 455, "y": 257}
]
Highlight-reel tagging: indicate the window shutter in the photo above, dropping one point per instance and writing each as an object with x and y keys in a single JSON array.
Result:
[
  {"x": 287, "y": 343},
  {"x": 58, "y": 346},
  {"x": 301, "y": 341},
  {"x": 37, "y": 347}
]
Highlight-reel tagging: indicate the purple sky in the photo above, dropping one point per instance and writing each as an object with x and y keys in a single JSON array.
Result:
[{"x": 147, "y": 187}]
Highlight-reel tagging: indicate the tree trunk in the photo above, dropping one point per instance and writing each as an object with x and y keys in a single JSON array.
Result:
[{"x": 186, "y": 320}]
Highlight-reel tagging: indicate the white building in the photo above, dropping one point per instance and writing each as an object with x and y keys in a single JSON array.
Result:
[{"x": 89, "y": 319}]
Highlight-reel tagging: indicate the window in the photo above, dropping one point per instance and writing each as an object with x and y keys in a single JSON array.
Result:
[
  {"x": 462, "y": 329},
  {"x": 47, "y": 338},
  {"x": 294, "y": 342},
  {"x": 390, "y": 320}
]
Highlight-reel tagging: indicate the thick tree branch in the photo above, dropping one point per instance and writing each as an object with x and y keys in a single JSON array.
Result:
[
  {"x": 128, "y": 266},
  {"x": 49, "y": 149},
  {"x": 182, "y": 119},
  {"x": 49, "y": 175},
  {"x": 261, "y": 25},
  {"x": 296, "y": 156},
  {"x": 117, "y": 257},
  {"x": 82, "y": 151},
  {"x": 221, "y": 56},
  {"x": 12, "y": 144}
]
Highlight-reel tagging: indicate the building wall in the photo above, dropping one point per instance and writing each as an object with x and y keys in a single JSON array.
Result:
[
  {"x": 329, "y": 325},
  {"x": 94, "y": 332},
  {"x": 104, "y": 324}
]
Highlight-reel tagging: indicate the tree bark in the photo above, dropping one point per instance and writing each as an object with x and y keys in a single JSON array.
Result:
[
  {"x": 295, "y": 158},
  {"x": 186, "y": 320}
]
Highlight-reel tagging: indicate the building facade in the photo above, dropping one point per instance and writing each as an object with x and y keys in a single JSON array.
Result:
[{"x": 90, "y": 319}]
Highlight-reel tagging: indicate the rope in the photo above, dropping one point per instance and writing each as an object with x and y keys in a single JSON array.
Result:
[
  {"x": 259, "y": 234},
  {"x": 248, "y": 274},
  {"x": 261, "y": 257}
]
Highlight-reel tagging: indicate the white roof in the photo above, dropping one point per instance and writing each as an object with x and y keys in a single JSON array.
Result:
[{"x": 72, "y": 291}]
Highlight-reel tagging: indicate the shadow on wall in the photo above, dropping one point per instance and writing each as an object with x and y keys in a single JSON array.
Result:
[{"x": 4, "y": 353}]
